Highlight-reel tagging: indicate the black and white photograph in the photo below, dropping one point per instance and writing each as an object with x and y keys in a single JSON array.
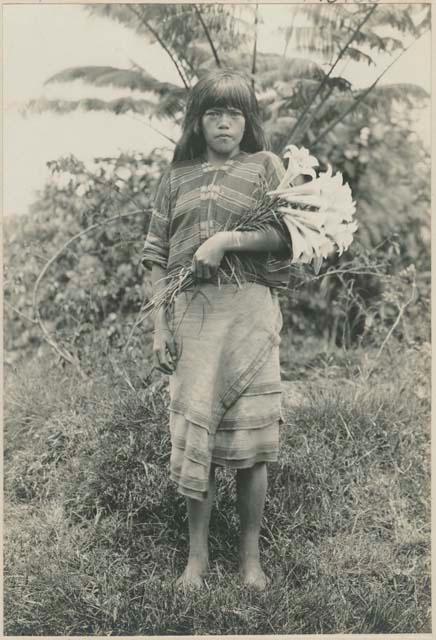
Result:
[{"x": 217, "y": 319}]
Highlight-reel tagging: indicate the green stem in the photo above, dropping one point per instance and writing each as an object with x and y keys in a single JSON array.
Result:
[
  {"x": 208, "y": 36},
  {"x": 327, "y": 76},
  {"x": 362, "y": 96}
]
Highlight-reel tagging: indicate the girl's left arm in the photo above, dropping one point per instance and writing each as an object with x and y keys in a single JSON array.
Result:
[
  {"x": 208, "y": 257},
  {"x": 266, "y": 240}
]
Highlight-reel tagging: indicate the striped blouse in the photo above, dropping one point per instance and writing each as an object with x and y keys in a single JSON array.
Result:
[{"x": 194, "y": 200}]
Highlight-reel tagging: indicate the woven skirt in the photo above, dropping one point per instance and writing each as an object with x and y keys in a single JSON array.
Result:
[{"x": 209, "y": 327}]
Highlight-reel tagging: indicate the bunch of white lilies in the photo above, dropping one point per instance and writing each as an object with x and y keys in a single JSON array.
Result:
[{"x": 317, "y": 213}]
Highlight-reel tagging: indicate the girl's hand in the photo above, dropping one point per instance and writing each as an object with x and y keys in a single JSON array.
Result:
[
  {"x": 208, "y": 257},
  {"x": 164, "y": 348}
]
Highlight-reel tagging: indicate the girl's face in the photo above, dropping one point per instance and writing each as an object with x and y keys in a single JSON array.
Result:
[{"x": 223, "y": 130}]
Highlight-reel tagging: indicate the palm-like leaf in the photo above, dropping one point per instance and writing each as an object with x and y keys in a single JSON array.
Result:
[
  {"x": 273, "y": 69},
  {"x": 334, "y": 24},
  {"x": 101, "y": 76},
  {"x": 408, "y": 19},
  {"x": 180, "y": 25},
  {"x": 295, "y": 93},
  {"x": 359, "y": 56},
  {"x": 117, "y": 106}
]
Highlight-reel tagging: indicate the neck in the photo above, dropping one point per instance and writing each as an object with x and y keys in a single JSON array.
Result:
[{"x": 217, "y": 159}]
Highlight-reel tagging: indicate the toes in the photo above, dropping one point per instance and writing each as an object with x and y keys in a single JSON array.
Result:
[
  {"x": 188, "y": 585},
  {"x": 257, "y": 583},
  {"x": 256, "y": 580},
  {"x": 186, "y": 582}
]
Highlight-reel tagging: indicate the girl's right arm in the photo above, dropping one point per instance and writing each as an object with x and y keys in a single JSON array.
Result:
[{"x": 164, "y": 344}]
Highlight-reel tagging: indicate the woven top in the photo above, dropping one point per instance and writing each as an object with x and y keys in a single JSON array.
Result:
[{"x": 194, "y": 200}]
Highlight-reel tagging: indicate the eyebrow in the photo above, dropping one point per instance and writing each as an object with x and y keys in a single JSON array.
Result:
[{"x": 224, "y": 109}]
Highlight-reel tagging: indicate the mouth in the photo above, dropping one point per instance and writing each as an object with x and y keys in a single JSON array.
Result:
[{"x": 223, "y": 136}]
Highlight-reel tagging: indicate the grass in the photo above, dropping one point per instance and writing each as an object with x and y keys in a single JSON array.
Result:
[{"x": 95, "y": 533}]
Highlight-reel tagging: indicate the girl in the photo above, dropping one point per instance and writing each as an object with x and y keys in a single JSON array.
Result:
[{"x": 219, "y": 342}]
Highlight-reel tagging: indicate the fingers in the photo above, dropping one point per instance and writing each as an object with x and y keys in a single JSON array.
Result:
[
  {"x": 172, "y": 348},
  {"x": 161, "y": 358},
  {"x": 161, "y": 364},
  {"x": 165, "y": 353},
  {"x": 201, "y": 270}
]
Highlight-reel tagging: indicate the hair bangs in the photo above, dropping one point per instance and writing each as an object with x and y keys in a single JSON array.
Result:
[{"x": 227, "y": 92}]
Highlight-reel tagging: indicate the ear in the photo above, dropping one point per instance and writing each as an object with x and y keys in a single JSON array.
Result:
[{"x": 197, "y": 128}]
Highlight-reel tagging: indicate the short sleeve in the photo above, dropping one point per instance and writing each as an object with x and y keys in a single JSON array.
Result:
[
  {"x": 274, "y": 172},
  {"x": 156, "y": 246}
]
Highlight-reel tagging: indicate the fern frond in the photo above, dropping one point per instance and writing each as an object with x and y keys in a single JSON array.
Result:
[
  {"x": 289, "y": 70},
  {"x": 358, "y": 56},
  {"x": 118, "y": 106},
  {"x": 101, "y": 76}
]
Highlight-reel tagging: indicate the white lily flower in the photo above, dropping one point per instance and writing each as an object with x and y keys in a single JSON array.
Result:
[
  {"x": 320, "y": 245},
  {"x": 317, "y": 264},
  {"x": 343, "y": 236},
  {"x": 313, "y": 201},
  {"x": 316, "y": 220},
  {"x": 300, "y": 163},
  {"x": 299, "y": 247},
  {"x": 336, "y": 195},
  {"x": 301, "y": 159},
  {"x": 307, "y": 243}
]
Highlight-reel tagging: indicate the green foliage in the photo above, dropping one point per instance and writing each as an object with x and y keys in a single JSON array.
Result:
[
  {"x": 191, "y": 35},
  {"x": 116, "y": 106},
  {"x": 110, "y": 76},
  {"x": 96, "y": 534},
  {"x": 198, "y": 38},
  {"x": 329, "y": 27},
  {"x": 92, "y": 293}
]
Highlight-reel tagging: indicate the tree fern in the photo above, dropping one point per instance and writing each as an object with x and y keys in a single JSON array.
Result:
[
  {"x": 117, "y": 106},
  {"x": 100, "y": 76},
  {"x": 293, "y": 91}
]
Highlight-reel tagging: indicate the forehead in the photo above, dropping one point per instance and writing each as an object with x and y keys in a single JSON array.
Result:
[{"x": 226, "y": 95}]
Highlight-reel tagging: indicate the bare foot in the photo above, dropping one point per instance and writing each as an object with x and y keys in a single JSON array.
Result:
[
  {"x": 192, "y": 577},
  {"x": 253, "y": 575}
]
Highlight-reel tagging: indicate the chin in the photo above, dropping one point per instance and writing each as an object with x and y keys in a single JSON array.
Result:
[{"x": 225, "y": 147}]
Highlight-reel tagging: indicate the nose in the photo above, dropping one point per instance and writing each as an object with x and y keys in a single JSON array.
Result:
[{"x": 224, "y": 120}]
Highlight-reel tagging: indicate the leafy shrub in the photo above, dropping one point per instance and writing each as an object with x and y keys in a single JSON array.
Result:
[{"x": 91, "y": 295}]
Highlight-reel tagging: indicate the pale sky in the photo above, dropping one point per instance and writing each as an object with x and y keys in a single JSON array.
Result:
[{"x": 40, "y": 40}]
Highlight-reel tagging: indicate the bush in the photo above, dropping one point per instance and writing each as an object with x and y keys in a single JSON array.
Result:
[{"x": 91, "y": 295}]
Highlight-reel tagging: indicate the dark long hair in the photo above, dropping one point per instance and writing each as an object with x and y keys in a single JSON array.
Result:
[{"x": 222, "y": 89}]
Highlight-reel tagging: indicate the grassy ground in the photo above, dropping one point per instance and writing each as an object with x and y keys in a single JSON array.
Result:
[{"x": 95, "y": 534}]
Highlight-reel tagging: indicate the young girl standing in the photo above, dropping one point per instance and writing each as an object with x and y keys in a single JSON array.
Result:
[{"x": 219, "y": 342}]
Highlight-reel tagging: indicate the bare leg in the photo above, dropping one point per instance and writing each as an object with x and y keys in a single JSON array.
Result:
[
  {"x": 251, "y": 489},
  {"x": 198, "y": 518}
]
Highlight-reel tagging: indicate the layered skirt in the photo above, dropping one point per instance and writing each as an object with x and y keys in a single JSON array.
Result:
[{"x": 225, "y": 395}]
